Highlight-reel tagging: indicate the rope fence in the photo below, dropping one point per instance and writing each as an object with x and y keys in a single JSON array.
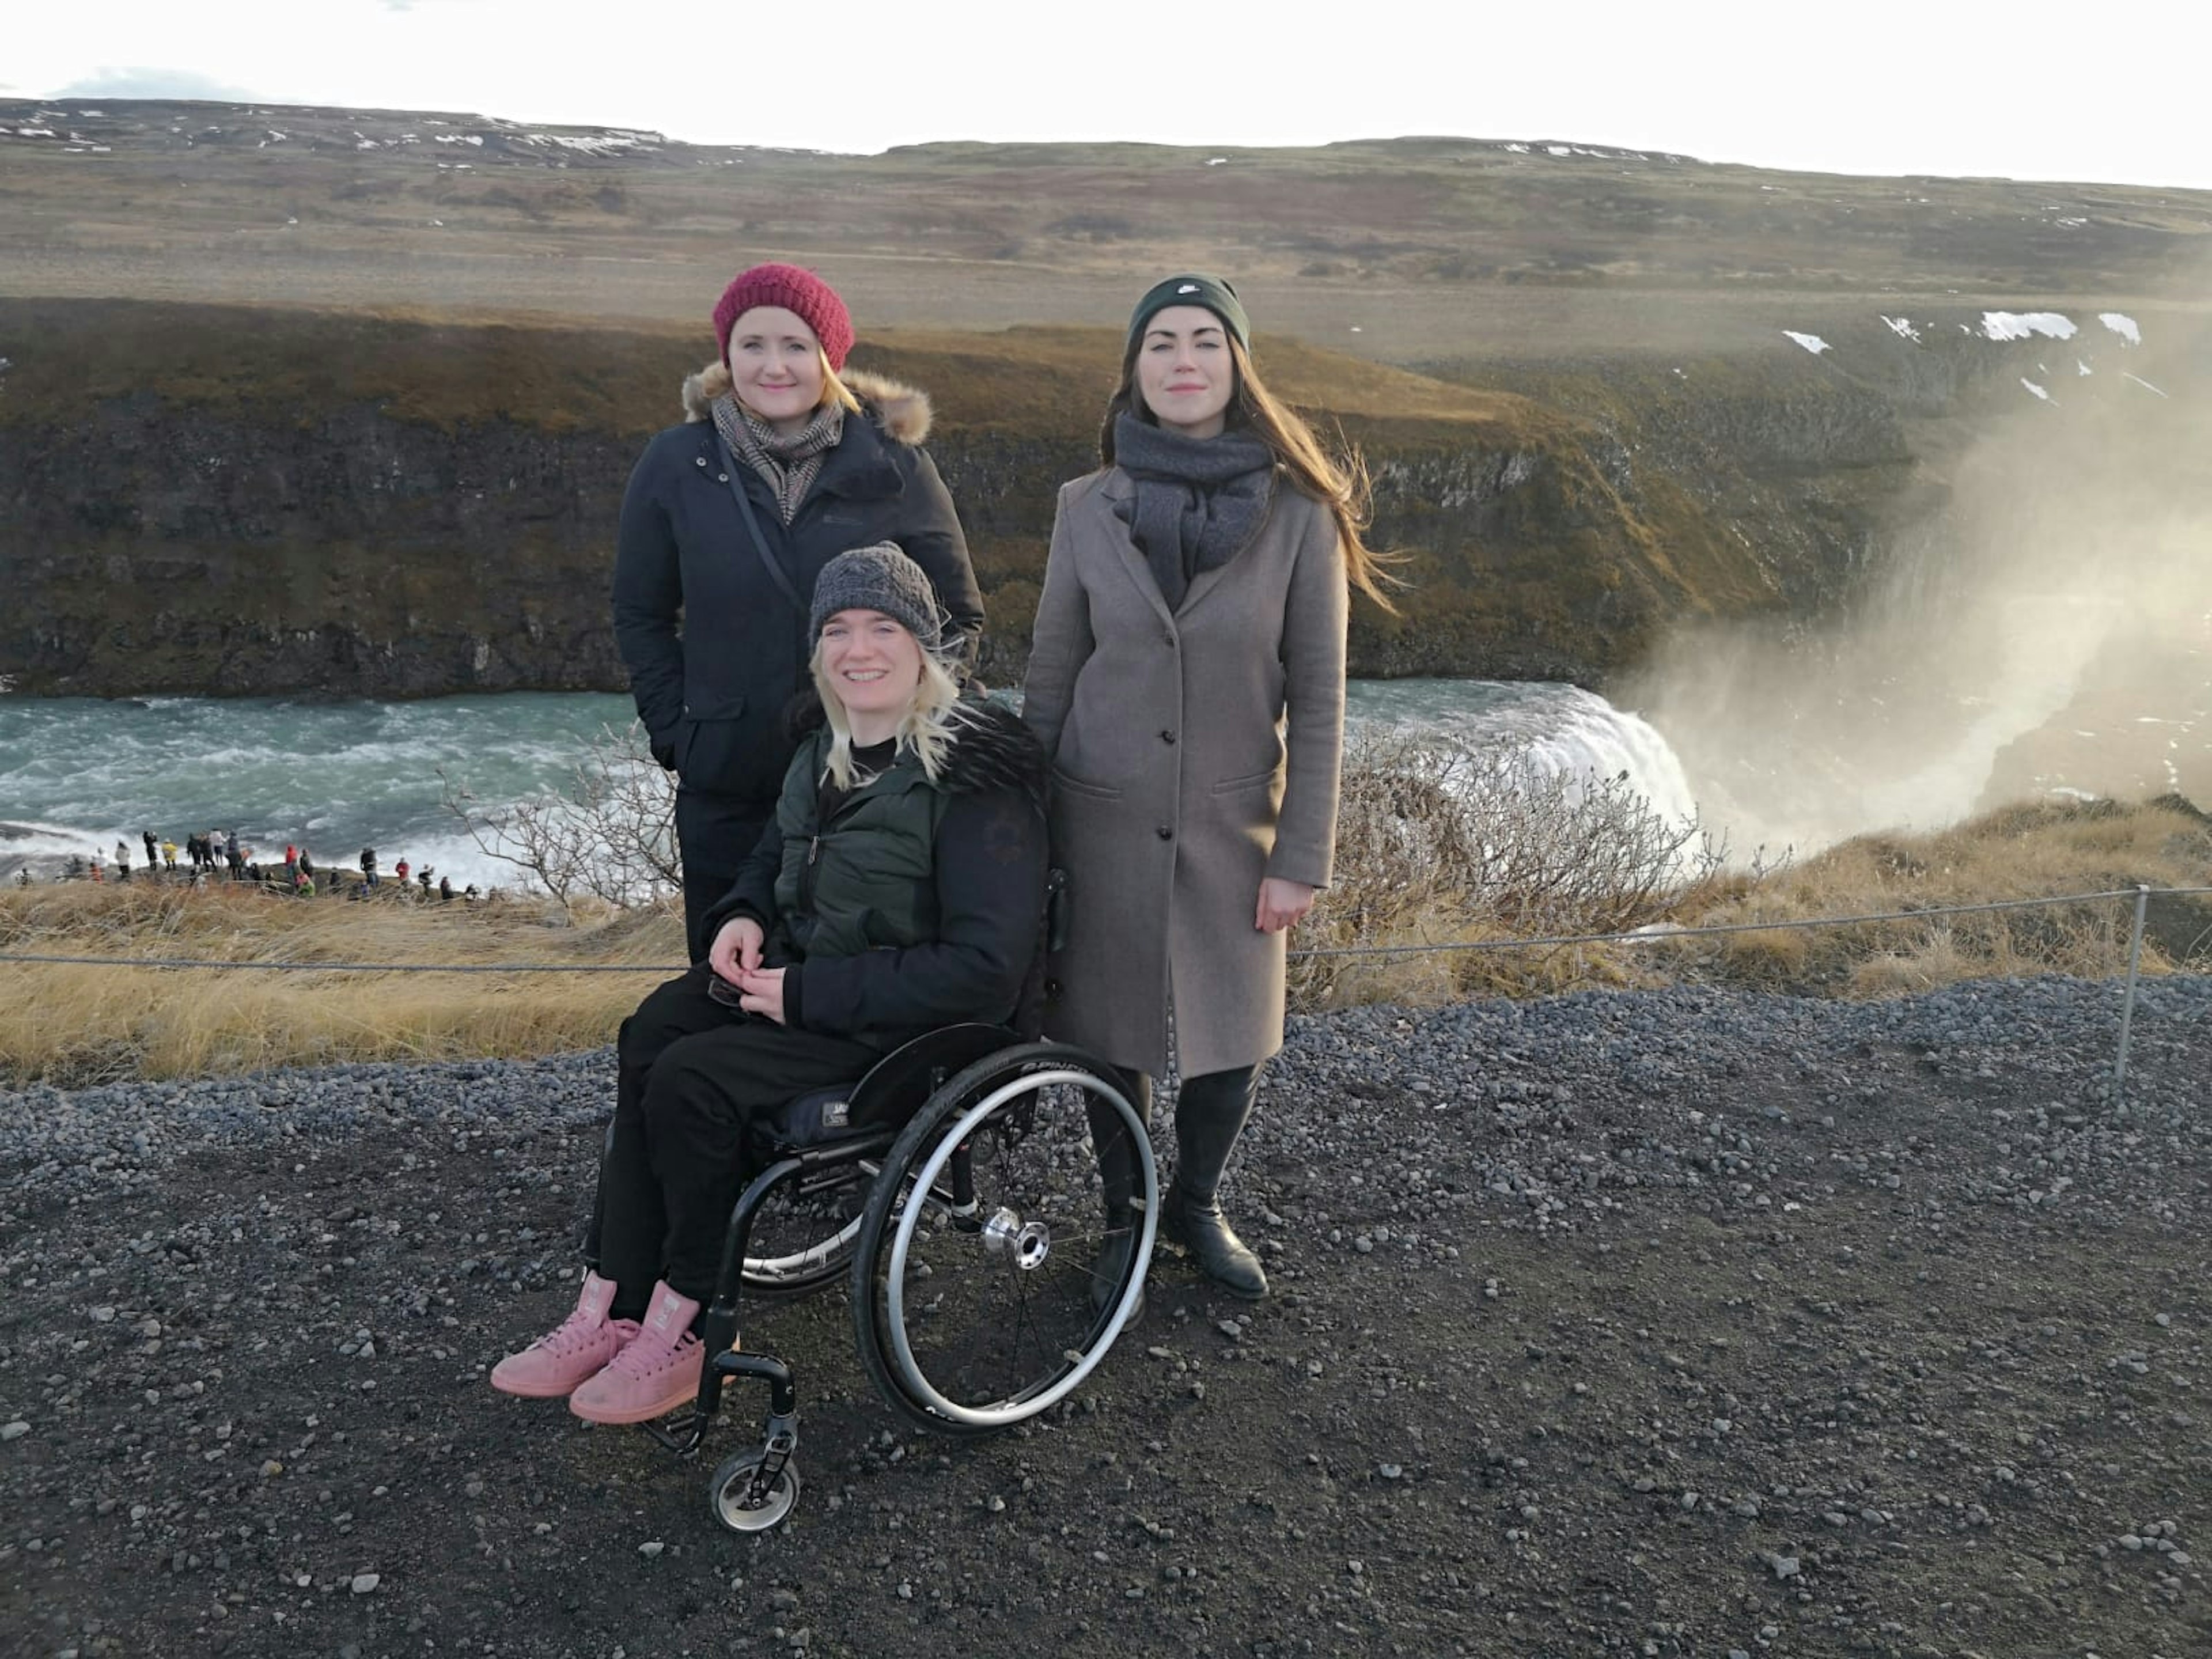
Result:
[{"x": 2141, "y": 896}]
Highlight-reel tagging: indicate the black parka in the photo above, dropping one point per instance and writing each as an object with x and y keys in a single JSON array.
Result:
[
  {"x": 965, "y": 946},
  {"x": 714, "y": 651}
]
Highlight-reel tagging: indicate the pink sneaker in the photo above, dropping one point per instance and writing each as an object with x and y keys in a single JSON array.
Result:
[
  {"x": 572, "y": 1351},
  {"x": 655, "y": 1372}
]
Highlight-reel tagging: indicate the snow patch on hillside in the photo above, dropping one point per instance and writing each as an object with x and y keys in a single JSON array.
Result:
[{"x": 2020, "y": 324}]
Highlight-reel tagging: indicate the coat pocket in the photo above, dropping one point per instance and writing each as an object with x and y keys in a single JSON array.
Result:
[
  {"x": 1252, "y": 781},
  {"x": 1065, "y": 784}
]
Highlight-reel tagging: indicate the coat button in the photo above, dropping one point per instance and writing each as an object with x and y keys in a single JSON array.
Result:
[
  {"x": 1167, "y": 737},
  {"x": 1167, "y": 638},
  {"x": 698, "y": 460},
  {"x": 721, "y": 478},
  {"x": 1165, "y": 833}
]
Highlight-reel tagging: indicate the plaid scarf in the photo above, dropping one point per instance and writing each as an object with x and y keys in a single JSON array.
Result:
[{"x": 789, "y": 465}]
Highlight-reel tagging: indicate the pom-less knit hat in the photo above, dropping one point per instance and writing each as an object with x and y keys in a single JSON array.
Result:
[
  {"x": 1193, "y": 288},
  {"x": 879, "y": 578},
  {"x": 814, "y": 301}
]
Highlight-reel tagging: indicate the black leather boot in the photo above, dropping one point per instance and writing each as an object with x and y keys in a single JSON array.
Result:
[{"x": 1210, "y": 1115}]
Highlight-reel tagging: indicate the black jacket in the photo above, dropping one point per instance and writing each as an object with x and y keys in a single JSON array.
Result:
[
  {"x": 715, "y": 652},
  {"x": 988, "y": 895}
]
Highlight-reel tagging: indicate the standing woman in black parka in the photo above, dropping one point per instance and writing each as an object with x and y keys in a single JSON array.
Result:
[{"x": 784, "y": 461}]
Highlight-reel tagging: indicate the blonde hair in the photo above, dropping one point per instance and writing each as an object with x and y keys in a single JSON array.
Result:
[
  {"x": 835, "y": 391},
  {"x": 929, "y": 726},
  {"x": 1338, "y": 482}
]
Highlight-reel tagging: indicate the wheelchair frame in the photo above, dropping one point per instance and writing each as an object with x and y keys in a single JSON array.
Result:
[{"x": 989, "y": 1181}]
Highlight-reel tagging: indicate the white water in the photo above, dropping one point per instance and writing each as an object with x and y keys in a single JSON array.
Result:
[{"x": 77, "y": 774}]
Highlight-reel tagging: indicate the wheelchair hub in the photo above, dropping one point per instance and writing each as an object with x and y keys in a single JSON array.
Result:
[{"x": 1028, "y": 1242}]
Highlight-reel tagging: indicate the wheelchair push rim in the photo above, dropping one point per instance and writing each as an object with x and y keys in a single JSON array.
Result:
[{"x": 977, "y": 1309}]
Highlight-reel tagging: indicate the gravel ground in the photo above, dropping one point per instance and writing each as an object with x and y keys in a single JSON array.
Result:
[{"x": 1680, "y": 1324}]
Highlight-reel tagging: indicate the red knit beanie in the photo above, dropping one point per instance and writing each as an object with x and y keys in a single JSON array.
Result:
[{"x": 802, "y": 292}]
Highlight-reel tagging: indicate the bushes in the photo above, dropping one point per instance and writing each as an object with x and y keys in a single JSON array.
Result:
[
  {"x": 610, "y": 837},
  {"x": 1440, "y": 844}
]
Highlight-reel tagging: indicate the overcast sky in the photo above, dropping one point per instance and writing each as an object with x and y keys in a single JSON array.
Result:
[{"x": 2024, "y": 90}]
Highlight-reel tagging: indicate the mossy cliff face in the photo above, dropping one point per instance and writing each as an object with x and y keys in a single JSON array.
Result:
[{"x": 220, "y": 500}]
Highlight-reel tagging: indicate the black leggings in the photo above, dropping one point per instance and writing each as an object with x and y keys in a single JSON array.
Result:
[{"x": 691, "y": 1076}]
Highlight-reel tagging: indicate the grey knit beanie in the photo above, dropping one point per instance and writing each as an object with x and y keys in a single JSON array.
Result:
[{"x": 879, "y": 578}]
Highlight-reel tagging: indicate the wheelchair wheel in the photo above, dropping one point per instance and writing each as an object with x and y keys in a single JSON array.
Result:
[
  {"x": 733, "y": 1485},
  {"x": 990, "y": 1281},
  {"x": 804, "y": 1234}
]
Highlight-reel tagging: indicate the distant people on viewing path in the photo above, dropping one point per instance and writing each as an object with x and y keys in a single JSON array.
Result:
[
  {"x": 215, "y": 854},
  {"x": 785, "y": 459}
]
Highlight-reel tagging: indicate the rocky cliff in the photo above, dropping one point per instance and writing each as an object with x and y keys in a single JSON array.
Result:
[{"x": 221, "y": 500}]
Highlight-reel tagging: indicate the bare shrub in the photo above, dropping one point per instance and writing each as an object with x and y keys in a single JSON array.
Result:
[
  {"x": 1438, "y": 844},
  {"x": 610, "y": 835}
]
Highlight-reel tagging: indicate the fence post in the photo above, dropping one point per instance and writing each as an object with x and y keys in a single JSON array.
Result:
[{"x": 2128, "y": 1002}]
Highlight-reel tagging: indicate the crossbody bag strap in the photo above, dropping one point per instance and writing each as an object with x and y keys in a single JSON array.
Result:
[{"x": 777, "y": 573}]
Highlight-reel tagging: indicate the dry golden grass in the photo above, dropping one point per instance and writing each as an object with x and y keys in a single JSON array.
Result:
[
  {"x": 76, "y": 1024},
  {"x": 1403, "y": 877},
  {"x": 2029, "y": 851},
  {"x": 79, "y": 1024}
]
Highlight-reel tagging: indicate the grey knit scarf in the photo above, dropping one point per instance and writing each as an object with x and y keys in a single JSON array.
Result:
[
  {"x": 789, "y": 465},
  {"x": 1199, "y": 503}
]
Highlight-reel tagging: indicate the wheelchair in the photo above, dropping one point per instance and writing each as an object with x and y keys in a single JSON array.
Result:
[{"x": 964, "y": 1186}]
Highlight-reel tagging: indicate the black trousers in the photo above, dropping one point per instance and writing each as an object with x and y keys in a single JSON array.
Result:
[
  {"x": 691, "y": 1076},
  {"x": 715, "y": 835}
]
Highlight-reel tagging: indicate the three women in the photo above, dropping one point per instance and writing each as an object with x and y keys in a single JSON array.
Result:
[
  {"x": 785, "y": 458},
  {"x": 1187, "y": 677}
]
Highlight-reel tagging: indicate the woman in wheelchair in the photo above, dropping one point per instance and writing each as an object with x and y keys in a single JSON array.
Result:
[{"x": 897, "y": 889}]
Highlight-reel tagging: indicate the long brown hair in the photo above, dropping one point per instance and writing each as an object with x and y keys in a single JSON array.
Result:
[{"x": 1338, "y": 481}]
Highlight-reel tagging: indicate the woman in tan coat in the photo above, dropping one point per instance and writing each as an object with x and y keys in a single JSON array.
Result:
[{"x": 1187, "y": 680}]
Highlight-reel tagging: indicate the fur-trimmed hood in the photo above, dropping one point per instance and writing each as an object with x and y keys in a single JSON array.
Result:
[
  {"x": 996, "y": 750},
  {"x": 992, "y": 748},
  {"x": 902, "y": 411}
]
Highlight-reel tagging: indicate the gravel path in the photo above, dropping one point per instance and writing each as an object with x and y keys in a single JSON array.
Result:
[{"x": 1677, "y": 1323}]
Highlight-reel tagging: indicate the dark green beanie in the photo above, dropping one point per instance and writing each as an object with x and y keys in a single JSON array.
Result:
[{"x": 1193, "y": 289}]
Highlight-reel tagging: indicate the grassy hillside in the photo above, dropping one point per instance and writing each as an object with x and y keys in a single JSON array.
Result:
[{"x": 1398, "y": 249}]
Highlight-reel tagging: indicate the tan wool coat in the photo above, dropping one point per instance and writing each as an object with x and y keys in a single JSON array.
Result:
[{"x": 1194, "y": 752}]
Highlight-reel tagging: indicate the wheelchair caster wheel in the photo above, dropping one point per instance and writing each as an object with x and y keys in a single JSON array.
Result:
[{"x": 733, "y": 1485}]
